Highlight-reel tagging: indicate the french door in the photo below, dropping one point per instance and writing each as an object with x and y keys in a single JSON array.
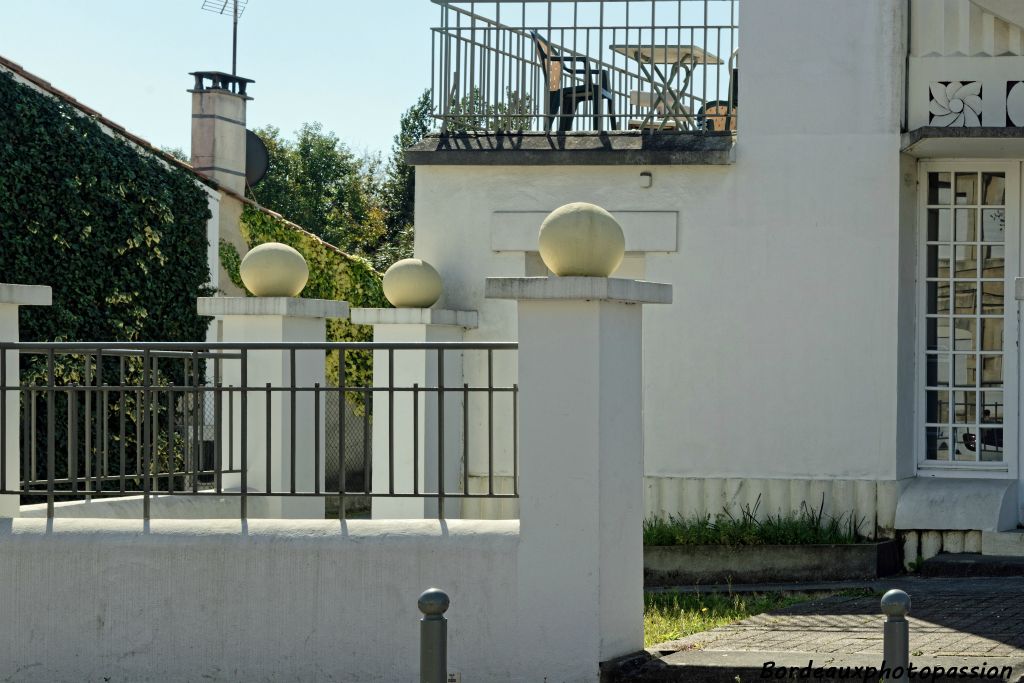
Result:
[{"x": 968, "y": 382}]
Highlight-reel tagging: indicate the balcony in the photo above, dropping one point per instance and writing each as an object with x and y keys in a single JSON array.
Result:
[{"x": 585, "y": 75}]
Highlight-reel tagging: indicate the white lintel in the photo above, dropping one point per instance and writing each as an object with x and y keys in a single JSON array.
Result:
[
  {"x": 415, "y": 316},
  {"x": 25, "y": 295},
  {"x": 579, "y": 288},
  {"x": 291, "y": 307}
]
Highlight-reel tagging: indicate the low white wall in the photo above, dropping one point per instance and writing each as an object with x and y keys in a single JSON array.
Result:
[{"x": 117, "y": 600}]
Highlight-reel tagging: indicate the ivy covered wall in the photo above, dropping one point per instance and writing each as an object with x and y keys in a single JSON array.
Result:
[
  {"x": 119, "y": 235},
  {"x": 333, "y": 274}
]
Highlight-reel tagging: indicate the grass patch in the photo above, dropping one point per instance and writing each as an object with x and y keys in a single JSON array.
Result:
[
  {"x": 670, "y": 616},
  {"x": 808, "y": 526}
]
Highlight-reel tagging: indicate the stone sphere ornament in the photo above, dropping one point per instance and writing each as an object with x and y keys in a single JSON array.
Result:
[
  {"x": 274, "y": 269},
  {"x": 581, "y": 239},
  {"x": 412, "y": 283}
]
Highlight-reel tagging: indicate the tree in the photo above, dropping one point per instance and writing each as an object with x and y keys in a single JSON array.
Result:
[
  {"x": 400, "y": 183},
  {"x": 318, "y": 183}
]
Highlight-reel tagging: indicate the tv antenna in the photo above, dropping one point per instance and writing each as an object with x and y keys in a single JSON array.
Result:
[{"x": 235, "y": 8}]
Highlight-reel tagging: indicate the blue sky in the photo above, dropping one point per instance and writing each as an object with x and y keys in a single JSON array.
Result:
[{"x": 354, "y": 65}]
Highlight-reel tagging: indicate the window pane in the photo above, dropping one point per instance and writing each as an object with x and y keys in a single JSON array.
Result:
[
  {"x": 940, "y": 225},
  {"x": 936, "y": 443},
  {"x": 938, "y": 188},
  {"x": 965, "y": 334},
  {"x": 991, "y": 446},
  {"x": 992, "y": 334},
  {"x": 938, "y": 333},
  {"x": 993, "y": 188},
  {"x": 965, "y": 444},
  {"x": 966, "y": 225},
  {"x": 937, "y": 370},
  {"x": 992, "y": 407},
  {"x": 992, "y": 298},
  {"x": 966, "y": 262},
  {"x": 966, "y": 188},
  {"x": 965, "y": 370},
  {"x": 991, "y": 371},
  {"x": 966, "y": 298},
  {"x": 937, "y": 406},
  {"x": 992, "y": 260},
  {"x": 993, "y": 225},
  {"x": 938, "y": 297},
  {"x": 938, "y": 260},
  {"x": 965, "y": 407}
]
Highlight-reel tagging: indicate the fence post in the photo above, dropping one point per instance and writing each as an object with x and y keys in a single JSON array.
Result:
[
  {"x": 896, "y": 639},
  {"x": 11, "y": 298},
  {"x": 433, "y": 603}
]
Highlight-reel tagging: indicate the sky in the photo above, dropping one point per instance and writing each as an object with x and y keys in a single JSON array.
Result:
[{"x": 353, "y": 65}]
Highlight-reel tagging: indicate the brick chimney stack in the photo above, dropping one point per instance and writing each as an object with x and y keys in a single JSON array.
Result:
[{"x": 218, "y": 127}]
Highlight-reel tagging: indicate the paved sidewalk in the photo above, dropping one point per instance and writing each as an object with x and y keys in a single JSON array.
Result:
[{"x": 953, "y": 623}]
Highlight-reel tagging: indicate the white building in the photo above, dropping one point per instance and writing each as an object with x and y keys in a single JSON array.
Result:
[{"x": 844, "y": 324}]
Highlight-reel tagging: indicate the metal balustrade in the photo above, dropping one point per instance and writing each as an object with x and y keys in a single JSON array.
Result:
[
  {"x": 110, "y": 420},
  {"x": 586, "y": 65}
]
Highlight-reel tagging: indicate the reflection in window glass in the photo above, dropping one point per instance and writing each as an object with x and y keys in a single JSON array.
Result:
[
  {"x": 993, "y": 189},
  {"x": 993, "y": 225},
  {"x": 938, "y": 188},
  {"x": 966, "y": 188},
  {"x": 966, "y": 225}
]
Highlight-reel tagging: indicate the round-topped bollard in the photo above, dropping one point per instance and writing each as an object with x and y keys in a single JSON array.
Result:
[
  {"x": 433, "y": 602},
  {"x": 581, "y": 239},
  {"x": 895, "y": 603},
  {"x": 274, "y": 269},
  {"x": 412, "y": 283}
]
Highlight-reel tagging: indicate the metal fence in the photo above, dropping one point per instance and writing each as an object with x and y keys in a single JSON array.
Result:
[
  {"x": 586, "y": 65},
  {"x": 103, "y": 420}
]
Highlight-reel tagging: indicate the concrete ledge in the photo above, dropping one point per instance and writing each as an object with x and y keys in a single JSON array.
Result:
[
  {"x": 415, "y": 316},
  {"x": 25, "y": 295},
  {"x": 611, "y": 148},
  {"x": 272, "y": 305},
  {"x": 967, "y": 504},
  {"x": 579, "y": 288},
  {"x": 983, "y": 142},
  {"x": 704, "y": 564}
]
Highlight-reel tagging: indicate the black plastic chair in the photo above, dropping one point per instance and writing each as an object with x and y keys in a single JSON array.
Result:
[
  {"x": 563, "y": 101},
  {"x": 720, "y": 115}
]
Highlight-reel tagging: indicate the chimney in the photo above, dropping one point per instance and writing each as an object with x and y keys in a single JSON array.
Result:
[{"x": 218, "y": 127}]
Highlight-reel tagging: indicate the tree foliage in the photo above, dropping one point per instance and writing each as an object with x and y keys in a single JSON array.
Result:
[{"x": 357, "y": 204}]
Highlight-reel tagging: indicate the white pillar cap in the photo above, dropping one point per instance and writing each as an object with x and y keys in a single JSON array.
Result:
[
  {"x": 25, "y": 295},
  {"x": 415, "y": 316},
  {"x": 579, "y": 288},
  {"x": 271, "y": 305}
]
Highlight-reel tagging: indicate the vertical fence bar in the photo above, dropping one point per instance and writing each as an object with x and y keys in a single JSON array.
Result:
[
  {"x": 490, "y": 422},
  {"x": 291, "y": 415},
  {"x": 172, "y": 433},
  {"x": 4, "y": 455},
  {"x": 433, "y": 603},
  {"x": 198, "y": 422},
  {"x": 268, "y": 419},
  {"x": 515, "y": 440},
  {"x": 342, "y": 483},
  {"x": 416, "y": 438},
  {"x": 87, "y": 424},
  {"x": 72, "y": 447},
  {"x": 50, "y": 437},
  {"x": 146, "y": 435},
  {"x": 121, "y": 421},
  {"x": 440, "y": 433},
  {"x": 316, "y": 438},
  {"x": 465, "y": 438},
  {"x": 103, "y": 426},
  {"x": 218, "y": 425},
  {"x": 244, "y": 504},
  {"x": 27, "y": 411},
  {"x": 391, "y": 421}
]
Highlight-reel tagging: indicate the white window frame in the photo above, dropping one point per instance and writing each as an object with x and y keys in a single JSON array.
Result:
[{"x": 1009, "y": 467}]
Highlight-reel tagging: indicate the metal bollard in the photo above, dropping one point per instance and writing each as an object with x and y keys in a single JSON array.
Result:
[
  {"x": 896, "y": 638},
  {"x": 433, "y": 636}
]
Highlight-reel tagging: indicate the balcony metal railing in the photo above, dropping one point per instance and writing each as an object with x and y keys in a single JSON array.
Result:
[
  {"x": 586, "y": 65},
  {"x": 114, "y": 420}
]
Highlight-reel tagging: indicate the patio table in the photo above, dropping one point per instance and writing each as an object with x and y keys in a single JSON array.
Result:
[{"x": 677, "y": 57}]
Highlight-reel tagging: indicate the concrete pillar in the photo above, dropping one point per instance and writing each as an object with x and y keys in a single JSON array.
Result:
[
  {"x": 394, "y": 443},
  {"x": 278, "y": 320},
  {"x": 580, "y": 563},
  {"x": 11, "y": 297},
  {"x": 218, "y": 127}
]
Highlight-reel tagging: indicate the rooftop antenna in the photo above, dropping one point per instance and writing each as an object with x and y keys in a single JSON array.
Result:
[{"x": 235, "y": 8}]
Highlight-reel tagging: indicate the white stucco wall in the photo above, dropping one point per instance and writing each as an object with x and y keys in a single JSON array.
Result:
[
  {"x": 265, "y": 601},
  {"x": 779, "y": 357}
]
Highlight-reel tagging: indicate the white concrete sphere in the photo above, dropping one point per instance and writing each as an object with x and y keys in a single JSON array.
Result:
[
  {"x": 274, "y": 269},
  {"x": 412, "y": 283},
  {"x": 581, "y": 239}
]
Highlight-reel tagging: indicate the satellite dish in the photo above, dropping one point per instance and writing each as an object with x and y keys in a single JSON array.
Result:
[{"x": 257, "y": 159}]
